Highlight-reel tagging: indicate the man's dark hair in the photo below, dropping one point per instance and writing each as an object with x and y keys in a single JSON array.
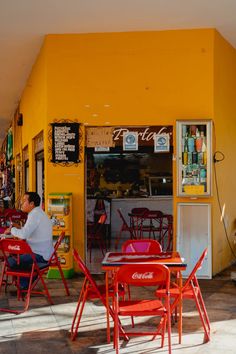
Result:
[{"x": 34, "y": 197}]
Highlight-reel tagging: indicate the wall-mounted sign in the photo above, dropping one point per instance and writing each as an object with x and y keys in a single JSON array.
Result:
[
  {"x": 145, "y": 134},
  {"x": 65, "y": 142},
  {"x": 130, "y": 141},
  {"x": 99, "y": 137},
  {"x": 161, "y": 143},
  {"x": 101, "y": 148}
]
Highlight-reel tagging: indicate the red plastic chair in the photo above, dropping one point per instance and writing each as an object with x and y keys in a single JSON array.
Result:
[
  {"x": 16, "y": 216},
  {"x": 144, "y": 245},
  {"x": 124, "y": 228},
  {"x": 90, "y": 290},
  {"x": 11, "y": 247},
  {"x": 191, "y": 290},
  {"x": 142, "y": 276},
  {"x": 95, "y": 235}
]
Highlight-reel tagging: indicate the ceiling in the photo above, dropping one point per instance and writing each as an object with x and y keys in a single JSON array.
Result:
[{"x": 23, "y": 24}]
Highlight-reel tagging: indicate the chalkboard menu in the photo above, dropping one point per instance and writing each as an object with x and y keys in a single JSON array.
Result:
[{"x": 65, "y": 142}]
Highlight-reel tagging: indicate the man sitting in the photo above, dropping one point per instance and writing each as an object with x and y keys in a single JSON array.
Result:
[{"x": 37, "y": 232}]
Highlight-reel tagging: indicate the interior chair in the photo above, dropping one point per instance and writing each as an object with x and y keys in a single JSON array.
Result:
[
  {"x": 35, "y": 272},
  {"x": 136, "y": 226},
  {"x": 95, "y": 235},
  {"x": 143, "y": 305},
  {"x": 166, "y": 239},
  {"x": 124, "y": 228},
  {"x": 90, "y": 290},
  {"x": 139, "y": 211},
  {"x": 152, "y": 224},
  {"x": 144, "y": 245},
  {"x": 191, "y": 290}
]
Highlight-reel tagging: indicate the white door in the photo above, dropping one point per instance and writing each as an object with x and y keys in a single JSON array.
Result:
[{"x": 194, "y": 235}]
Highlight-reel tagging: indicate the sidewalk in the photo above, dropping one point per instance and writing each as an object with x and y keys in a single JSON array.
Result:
[{"x": 45, "y": 329}]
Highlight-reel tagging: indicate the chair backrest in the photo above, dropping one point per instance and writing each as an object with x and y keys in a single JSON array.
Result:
[
  {"x": 56, "y": 246},
  {"x": 88, "y": 275},
  {"x": 15, "y": 215},
  {"x": 17, "y": 247},
  {"x": 122, "y": 217},
  {"x": 144, "y": 275},
  {"x": 139, "y": 211},
  {"x": 144, "y": 245},
  {"x": 155, "y": 214},
  {"x": 197, "y": 266}
]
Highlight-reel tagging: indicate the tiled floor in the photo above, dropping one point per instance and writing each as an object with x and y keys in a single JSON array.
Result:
[{"x": 45, "y": 329}]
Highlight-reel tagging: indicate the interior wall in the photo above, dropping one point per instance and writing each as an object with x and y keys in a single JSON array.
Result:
[{"x": 224, "y": 137}]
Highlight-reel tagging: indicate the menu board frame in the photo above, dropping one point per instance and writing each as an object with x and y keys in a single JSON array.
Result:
[{"x": 65, "y": 138}]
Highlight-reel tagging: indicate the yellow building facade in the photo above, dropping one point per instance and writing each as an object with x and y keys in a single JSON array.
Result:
[{"x": 136, "y": 78}]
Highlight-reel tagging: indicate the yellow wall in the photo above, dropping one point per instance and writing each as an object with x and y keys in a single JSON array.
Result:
[
  {"x": 225, "y": 131},
  {"x": 138, "y": 78},
  {"x": 33, "y": 106},
  {"x": 125, "y": 78}
]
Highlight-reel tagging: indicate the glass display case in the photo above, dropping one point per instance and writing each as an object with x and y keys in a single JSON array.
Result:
[
  {"x": 60, "y": 213},
  {"x": 194, "y": 147}
]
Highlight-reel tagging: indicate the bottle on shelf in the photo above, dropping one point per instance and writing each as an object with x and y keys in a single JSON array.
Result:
[
  {"x": 191, "y": 143},
  {"x": 199, "y": 141},
  {"x": 203, "y": 141},
  {"x": 185, "y": 152}
]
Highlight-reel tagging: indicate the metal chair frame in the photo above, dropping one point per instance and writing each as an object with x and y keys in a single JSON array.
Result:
[
  {"x": 35, "y": 272},
  {"x": 142, "y": 276}
]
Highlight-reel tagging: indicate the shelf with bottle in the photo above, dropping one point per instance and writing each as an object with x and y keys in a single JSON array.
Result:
[
  {"x": 59, "y": 206},
  {"x": 60, "y": 213},
  {"x": 193, "y": 158},
  {"x": 65, "y": 244}
]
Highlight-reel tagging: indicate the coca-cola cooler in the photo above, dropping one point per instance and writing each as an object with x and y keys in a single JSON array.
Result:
[{"x": 194, "y": 183}]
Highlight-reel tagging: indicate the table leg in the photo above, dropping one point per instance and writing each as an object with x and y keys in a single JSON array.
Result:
[
  {"x": 107, "y": 308},
  {"x": 180, "y": 307}
]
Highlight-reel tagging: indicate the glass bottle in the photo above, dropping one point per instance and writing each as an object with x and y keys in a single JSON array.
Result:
[
  {"x": 203, "y": 138},
  {"x": 191, "y": 143},
  {"x": 199, "y": 141},
  {"x": 185, "y": 152}
]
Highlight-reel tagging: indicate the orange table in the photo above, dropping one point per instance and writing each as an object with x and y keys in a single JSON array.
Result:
[{"x": 113, "y": 260}]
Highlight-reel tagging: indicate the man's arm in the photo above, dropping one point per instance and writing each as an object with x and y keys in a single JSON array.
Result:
[{"x": 29, "y": 227}]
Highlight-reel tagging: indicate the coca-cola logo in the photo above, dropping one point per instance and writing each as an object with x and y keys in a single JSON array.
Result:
[
  {"x": 146, "y": 275},
  {"x": 14, "y": 248}
]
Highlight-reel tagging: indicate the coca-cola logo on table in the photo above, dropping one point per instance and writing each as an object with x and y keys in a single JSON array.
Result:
[
  {"x": 145, "y": 134},
  {"x": 146, "y": 275}
]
